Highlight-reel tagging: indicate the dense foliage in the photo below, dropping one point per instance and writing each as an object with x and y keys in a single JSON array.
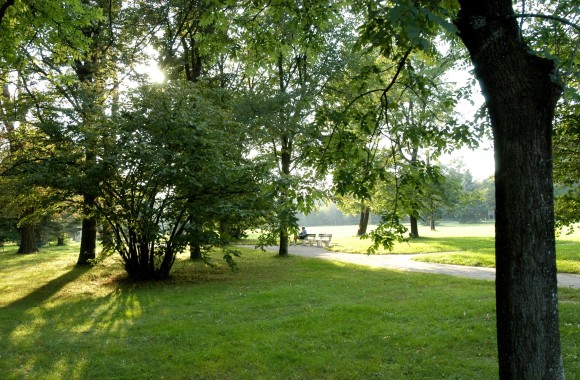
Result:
[
  {"x": 267, "y": 102},
  {"x": 173, "y": 178}
]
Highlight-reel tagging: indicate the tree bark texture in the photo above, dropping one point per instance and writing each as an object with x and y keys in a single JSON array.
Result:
[
  {"x": 87, "y": 251},
  {"x": 521, "y": 94},
  {"x": 286, "y": 160},
  {"x": 88, "y": 241},
  {"x": 414, "y": 226},
  {"x": 364, "y": 220},
  {"x": 27, "y": 239},
  {"x": 283, "y": 249},
  {"x": 192, "y": 59}
]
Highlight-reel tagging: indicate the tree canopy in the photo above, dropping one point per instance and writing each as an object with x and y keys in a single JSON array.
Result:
[{"x": 271, "y": 106}]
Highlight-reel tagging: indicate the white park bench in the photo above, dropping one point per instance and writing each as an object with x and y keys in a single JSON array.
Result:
[
  {"x": 310, "y": 239},
  {"x": 323, "y": 238}
]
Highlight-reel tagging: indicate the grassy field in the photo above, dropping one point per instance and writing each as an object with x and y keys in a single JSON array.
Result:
[
  {"x": 277, "y": 318},
  {"x": 451, "y": 243}
]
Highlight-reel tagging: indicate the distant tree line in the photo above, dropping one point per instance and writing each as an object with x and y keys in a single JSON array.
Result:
[{"x": 466, "y": 201}]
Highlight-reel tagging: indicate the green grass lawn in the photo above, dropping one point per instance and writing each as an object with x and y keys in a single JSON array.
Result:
[
  {"x": 451, "y": 243},
  {"x": 277, "y": 318}
]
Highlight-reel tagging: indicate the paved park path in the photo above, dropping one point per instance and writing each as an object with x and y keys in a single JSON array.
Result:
[{"x": 406, "y": 263}]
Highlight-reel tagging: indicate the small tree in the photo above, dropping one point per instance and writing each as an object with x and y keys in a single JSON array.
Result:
[{"x": 174, "y": 171}]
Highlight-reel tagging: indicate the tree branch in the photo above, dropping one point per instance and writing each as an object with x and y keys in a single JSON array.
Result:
[
  {"x": 399, "y": 69},
  {"x": 393, "y": 81},
  {"x": 549, "y": 17}
]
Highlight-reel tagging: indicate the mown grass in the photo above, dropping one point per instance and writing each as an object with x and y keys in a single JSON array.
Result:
[
  {"x": 567, "y": 257},
  {"x": 452, "y": 243},
  {"x": 277, "y": 318},
  {"x": 480, "y": 251}
]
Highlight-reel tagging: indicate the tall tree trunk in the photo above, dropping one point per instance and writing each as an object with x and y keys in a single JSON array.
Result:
[
  {"x": 88, "y": 246},
  {"x": 361, "y": 223},
  {"x": 89, "y": 72},
  {"x": 27, "y": 239},
  {"x": 283, "y": 249},
  {"x": 286, "y": 162},
  {"x": 432, "y": 213},
  {"x": 286, "y": 159},
  {"x": 521, "y": 95},
  {"x": 364, "y": 220},
  {"x": 414, "y": 226},
  {"x": 192, "y": 59}
]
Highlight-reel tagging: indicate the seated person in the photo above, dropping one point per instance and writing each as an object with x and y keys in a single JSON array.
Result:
[{"x": 301, "y": 235}]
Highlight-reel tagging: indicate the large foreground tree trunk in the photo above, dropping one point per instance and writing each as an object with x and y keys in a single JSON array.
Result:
[{"x": 521, "y": 95}]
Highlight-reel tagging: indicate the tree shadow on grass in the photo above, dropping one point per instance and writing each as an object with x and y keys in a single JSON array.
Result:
[
  {"x": 44, "y": 292},
  {"x": 42, "y": 333}
]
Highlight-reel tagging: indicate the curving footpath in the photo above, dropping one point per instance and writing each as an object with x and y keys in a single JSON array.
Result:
[{"x": 406, "y": 263}]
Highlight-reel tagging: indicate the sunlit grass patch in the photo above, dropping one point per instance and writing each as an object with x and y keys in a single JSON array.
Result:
[
  {"x": 567, "y": 257},
  {"x": 452, "y": 243},
  {"x": 482, "y": 258}
]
